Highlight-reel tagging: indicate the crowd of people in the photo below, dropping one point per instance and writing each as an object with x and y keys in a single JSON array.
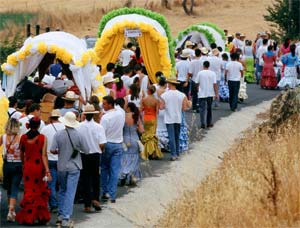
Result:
[{"x": 88, "y": 149}]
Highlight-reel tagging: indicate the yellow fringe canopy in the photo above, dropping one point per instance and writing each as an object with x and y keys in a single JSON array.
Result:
[{"x": 153, "y": 43}]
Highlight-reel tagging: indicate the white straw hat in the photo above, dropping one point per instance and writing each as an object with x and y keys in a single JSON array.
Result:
[
  {"x": 90, "y": 109},
  {"x": 69, "y": 120},
  {"x": 70, "y": 96},
  {"x": 108, "y": 79}
]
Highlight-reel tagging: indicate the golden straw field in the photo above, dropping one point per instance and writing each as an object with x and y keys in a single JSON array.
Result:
[
  {"x": 82, "y": 17},
  {"x": 257, "y": 184}
]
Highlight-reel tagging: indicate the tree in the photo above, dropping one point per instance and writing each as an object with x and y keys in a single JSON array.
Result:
[
  {"x": 184, "y": 5},
  {"x": 284, "y": 16}
]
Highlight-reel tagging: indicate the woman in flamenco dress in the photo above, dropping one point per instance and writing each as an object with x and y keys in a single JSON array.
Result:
[
  {"x": 268, "y": 77},
  {"x": 34, "y": 205}
]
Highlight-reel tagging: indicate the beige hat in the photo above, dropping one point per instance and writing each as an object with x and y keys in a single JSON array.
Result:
[
  {"x": 242, "y": 35},
  {"x": 188, "y": 43},
  {"x": 89, "y": 109},
  {"x": 70, "y": 96},
  {"x": 215, "y": 51},
  {"x": 55, "y": 113},
  {"x": 204, "y": 50},
  {"x": 69, "y": 120},
  {"x": 173, "y": 80},
  {"x": 108, "y": 79},
  {"x": 185, "y": 53}
]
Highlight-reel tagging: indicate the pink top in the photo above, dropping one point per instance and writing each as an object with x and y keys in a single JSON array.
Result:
[
  {"x": 285, "y": 50},
  {"x": 121, "y": 93}
]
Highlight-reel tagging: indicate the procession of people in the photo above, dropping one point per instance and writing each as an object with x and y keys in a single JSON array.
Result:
[{"x": 88, "y": 149}]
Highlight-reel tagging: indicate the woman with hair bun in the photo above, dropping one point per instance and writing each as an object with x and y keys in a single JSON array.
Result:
[
  {"x": 35, "y": 175},
  {"x": 150, "y": 107}
]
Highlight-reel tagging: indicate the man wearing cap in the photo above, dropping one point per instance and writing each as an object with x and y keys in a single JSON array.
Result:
[
  {"x": 182, "y": 68},
  {"x": 94, "y": 134},
  {"x": 69, "y": 102},
  {"x": 67, "y": 143},
  {"x": 108, "y": 84},
  {"x": 189, "y": 46},
  {"x": 49, "y": 131},
  {"x": 113, "y": 122},
  {"x": 174, "y": 102}
]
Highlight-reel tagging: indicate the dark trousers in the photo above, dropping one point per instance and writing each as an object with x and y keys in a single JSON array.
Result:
[
  {"x": 90, "y": 178},
  {"x": 173, "y": 132},
  {"x": 205, "y": 105},
  {"x": 183, "y": 89},
  {"x": 234, "y": 88},
  {"x": 194, "y": 95}
]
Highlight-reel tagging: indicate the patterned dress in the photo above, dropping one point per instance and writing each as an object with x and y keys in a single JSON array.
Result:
[
  {"x": 184, "y": 135},
  {"x": 36, "y": 193}
]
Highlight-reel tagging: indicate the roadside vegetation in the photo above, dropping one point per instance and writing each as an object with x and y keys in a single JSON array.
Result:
[{"x": 258, "y": 182}]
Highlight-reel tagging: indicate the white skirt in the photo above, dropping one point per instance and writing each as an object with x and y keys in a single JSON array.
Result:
[{"x": 290, "y": 78}]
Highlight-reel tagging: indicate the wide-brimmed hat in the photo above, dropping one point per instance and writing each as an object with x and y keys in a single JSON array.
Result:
[
  {"x": 70, "y": 96},
  {"x": 242, "y": 35},
  {"x": 69, "y": 120},
  {"x": 55, "y": 113},
  {"x": 204, "y": 50},
  {"x": 173, "y": 80},
  {"x": 108, "y": 79},
  {"x": 185, "y": 53},
  {"x": 188, "y": 43},
  {"x": 89, "y": 109}
]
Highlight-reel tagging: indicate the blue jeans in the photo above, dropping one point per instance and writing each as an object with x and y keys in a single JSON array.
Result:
[
  {"x": 173, "y": 132},
  {"x": 205, "y": 106},
  {"x": 12, "y": 172},
  {"x": 52, "y": 184},
  {"x": 110, "y": 168},
  {"x": 67, "y": 188},
  {"x": 234, "y": 87}
]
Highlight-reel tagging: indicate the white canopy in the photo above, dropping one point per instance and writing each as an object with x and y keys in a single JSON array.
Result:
[
  {"x": 198, "y": 37},
  {"x": 69, "y": 49}
]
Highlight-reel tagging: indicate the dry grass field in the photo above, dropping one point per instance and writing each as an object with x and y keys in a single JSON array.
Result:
[
  {"x": 257, "y": 184},
  {"x": 82, "y": 17}
]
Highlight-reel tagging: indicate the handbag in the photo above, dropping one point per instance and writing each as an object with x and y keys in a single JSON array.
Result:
[
  {"x": 141, "y": 146},
  {"x": 75, "y": 151}
]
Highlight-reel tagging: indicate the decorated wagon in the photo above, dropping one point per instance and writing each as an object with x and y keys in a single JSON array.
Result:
[
  {"x": 149, "y": 29},
  {"x": 202, "y": 34}
]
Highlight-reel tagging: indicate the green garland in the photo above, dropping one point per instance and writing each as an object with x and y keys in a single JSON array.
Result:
[
  {"x": 147, "y": 13},
  {"x": 210, "y": 38},
  {"x": 215, "y": 27}
]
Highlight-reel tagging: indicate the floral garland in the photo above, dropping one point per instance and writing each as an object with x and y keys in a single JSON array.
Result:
[
  {"x": 14, "y": 59},
  {"x": 147, "y": 13},
  {"x": 104, "y": 40},
  {"x": 210, "y": 38},
  {"x": 215, "y": 27}
]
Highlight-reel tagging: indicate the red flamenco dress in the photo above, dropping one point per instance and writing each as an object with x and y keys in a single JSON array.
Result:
[
  {"x": 268, "y": 77},
  {"x": 36, "y": 193}
]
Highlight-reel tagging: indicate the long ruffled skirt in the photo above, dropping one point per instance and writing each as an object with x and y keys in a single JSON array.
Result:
[{"x": 150, "y": 141}]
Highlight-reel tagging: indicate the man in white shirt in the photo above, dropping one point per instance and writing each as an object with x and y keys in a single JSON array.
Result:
[
  {"x": 215, "y": 65},
  {"x": 34, "y": 110},
  {"x": 173, "y": 101},
  {"x": 260, "y": 63},
  {"x": 144, "y": 80},
  {"x": 49, "y": 131},
  {"x": 94, "y": 134},
  {"x": 182, "y": 69},
  {"x": 193, "y": 71},
  {"x": 113, "y": 122},
  {"x": 233, "y": 74},
  {"x": 189, "y": 46},
  {"x": 208, "y": 90},
  {"x": 126, "y": 77},
  {"x": 126, "y": 55},
  {"x": 12, "y": 112}
]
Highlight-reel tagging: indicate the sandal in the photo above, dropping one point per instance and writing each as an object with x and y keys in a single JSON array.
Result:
[{"x": 96, "y": 205}]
